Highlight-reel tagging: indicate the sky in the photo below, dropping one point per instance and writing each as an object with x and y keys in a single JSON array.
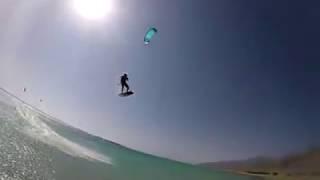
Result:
[{"x": 222, "y": 79}]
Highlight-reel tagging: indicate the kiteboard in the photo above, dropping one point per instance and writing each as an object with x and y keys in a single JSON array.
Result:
[{"x": 125, "y": 94}]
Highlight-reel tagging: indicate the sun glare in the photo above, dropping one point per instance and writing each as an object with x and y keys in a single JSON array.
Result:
[{"x": 92, "y": 9}]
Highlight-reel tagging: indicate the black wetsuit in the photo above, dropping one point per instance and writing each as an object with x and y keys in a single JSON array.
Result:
[{"x": 124, "y": 80}]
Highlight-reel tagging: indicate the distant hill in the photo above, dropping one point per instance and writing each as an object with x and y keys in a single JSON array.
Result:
[
  {"x": 299, "y": 164},
  {"x": 308, "y": 161}
]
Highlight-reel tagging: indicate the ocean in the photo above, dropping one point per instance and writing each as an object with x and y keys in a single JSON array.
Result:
[{"x": 36, "y": 146}]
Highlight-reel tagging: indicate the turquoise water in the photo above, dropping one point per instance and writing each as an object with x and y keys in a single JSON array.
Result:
[{"x": 34, "y": 146}]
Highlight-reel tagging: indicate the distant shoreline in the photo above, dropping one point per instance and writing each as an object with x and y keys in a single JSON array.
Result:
[
  {"x": 299, "y": 166},
  {"x": 243, "y": 173},
  {"x": 272, "y": 175}
]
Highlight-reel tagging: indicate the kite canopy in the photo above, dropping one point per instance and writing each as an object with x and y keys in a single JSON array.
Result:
[{"x": 149, "y": 35}]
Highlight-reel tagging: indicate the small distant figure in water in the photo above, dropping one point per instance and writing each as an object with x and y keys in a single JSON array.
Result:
[
  {"x": 124, "y": 79},
  {"x": 24, "y": 89}
]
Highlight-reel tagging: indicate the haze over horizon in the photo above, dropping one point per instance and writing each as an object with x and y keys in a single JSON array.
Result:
[{"x": 222, "y": 79}]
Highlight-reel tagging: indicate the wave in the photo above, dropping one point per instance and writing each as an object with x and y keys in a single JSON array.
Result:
[{"x": 38, "y": 129}]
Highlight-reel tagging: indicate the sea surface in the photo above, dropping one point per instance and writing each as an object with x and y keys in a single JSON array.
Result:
[{"x": 34, "y": 145}]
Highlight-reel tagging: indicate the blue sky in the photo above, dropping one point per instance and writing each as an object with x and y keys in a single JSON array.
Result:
[{"x": 222, "y": 80}]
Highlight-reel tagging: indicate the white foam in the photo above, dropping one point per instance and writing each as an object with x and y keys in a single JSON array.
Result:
[{"x": 38, "y": 129}]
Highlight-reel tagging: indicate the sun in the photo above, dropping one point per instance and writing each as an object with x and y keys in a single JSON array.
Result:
[{"x": 92, "y": 9}]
